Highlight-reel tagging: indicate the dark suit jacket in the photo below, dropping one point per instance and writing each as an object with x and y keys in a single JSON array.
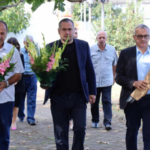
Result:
[
  {"x": 126, "y": 73},
  {"x": 87, "y": 74}
]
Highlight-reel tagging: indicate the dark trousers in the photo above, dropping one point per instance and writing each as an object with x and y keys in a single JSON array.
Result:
[
  {"x": 106, "y": 103},
  {"x": 6, "y": 112},
  {"x": 30, "y": 90},
  {"x": 62, "y": 106},
  {"x": 134, "y": 113}
]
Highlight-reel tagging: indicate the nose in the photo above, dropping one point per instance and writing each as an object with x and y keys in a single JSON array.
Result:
[{"x": 67, "y": 31}]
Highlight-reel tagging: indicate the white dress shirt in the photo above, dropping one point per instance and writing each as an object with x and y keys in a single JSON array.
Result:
[{"x": 8, "y": 94}]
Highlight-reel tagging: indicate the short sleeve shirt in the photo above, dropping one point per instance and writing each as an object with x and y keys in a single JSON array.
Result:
[
  {"x": 8, "y": 93},
  {"x": 103, "y": 62},
  {"x": 28, "y": 70}
]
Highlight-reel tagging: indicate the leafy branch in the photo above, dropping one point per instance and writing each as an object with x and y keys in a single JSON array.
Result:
[
  {"x": 6, "y": 4},
  {"x": 13, "y": 4}
]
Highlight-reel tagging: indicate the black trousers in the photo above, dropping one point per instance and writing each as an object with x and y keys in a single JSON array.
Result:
[
  {"x": 62, "y": 106},
  {"x": 135, "y": 112}
]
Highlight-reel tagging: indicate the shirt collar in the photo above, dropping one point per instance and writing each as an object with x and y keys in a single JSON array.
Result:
[
  {"x": 4, "y": 47},
  {"x": 147, "y": 51},
  {"x": 98, "y": 49}
]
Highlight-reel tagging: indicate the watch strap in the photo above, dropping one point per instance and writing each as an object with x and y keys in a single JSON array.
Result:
[{"x": 7, "y": 83}]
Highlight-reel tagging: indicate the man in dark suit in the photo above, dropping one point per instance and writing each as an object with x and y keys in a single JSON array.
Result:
[
  {"x": 72, "y": 89},
  {"x": 132, "y": 67}
]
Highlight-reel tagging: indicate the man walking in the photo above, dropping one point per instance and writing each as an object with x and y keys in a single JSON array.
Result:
[
  {"x": 132, "y": 67},
  {"x": 73, "y": 88},
  {"x": 7, "y": 90},
  {"x": 75, "y": 37},
  {"x": 104, "y": 59},
  {"x": 30, "y": 87},
  {"x": 75, "y": 33}
]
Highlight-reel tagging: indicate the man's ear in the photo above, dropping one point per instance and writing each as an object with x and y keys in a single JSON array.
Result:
[
  {"x": 134, "y": 37},
  {"x": 96, "y": 39},
  {"x": 58, "y": 31}
]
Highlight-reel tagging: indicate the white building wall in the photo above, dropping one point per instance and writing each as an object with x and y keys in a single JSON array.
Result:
[{"x": 43, "y": 20}]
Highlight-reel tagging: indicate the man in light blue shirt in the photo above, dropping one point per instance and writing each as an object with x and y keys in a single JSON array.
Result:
[
  {"x": 30, "y": 88},
  {"x": 104, "y": 59},
  {"x": 143, "y": 63},
  {"x": 132, "y": 67}
]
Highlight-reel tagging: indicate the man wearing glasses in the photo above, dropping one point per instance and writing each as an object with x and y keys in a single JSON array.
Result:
[{"x": 132, "y": 67}]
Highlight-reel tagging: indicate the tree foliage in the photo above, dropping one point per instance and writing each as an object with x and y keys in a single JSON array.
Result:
[
  {"x": 16, "y": 18},
  {"x": 5, "y": 4},
  {"x": 95, "y": 14},
  {"x": 119, "y": 24},
  {"x": 120, "y": 28}
]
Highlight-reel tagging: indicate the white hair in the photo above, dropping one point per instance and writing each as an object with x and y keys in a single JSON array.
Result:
[{"x": 29, "y": 37}]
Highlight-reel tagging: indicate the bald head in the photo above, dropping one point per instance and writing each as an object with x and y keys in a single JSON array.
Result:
[
  {"x": 101, "y": 38},
  {"x": 102, "y": 32}
]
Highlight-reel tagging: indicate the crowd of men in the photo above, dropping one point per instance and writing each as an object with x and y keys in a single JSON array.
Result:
[{"x": 90, "y": 73}]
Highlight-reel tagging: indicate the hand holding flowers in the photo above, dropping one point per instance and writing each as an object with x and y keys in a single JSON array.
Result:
[
  {"x": 46, "y": 62},
  {"x": 5, "y": 65}
]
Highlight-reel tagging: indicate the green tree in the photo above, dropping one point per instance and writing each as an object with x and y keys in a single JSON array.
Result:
[
  {"x": 120, "y": 28},
  {"x": 5, "y": 4},
  {"x": 16, "y": 18},
  {"x": 95, "y": 14}
]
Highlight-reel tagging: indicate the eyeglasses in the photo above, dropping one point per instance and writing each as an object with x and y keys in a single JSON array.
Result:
[{"x": 142, "y": 36}]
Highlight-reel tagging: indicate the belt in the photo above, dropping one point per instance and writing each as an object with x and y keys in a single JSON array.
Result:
[{"x": 28, "y": 75}]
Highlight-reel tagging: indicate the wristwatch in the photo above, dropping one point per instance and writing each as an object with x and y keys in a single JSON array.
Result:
[{"x": 7, "y": 84}]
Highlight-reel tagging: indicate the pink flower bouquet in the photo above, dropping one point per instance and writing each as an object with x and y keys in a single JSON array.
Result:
[
  {"x": 5, "y": 65},
  {"x": 46, "y": 62}
]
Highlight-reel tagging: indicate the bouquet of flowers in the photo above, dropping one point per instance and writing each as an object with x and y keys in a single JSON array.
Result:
[
  {"x": 5, "y": 65},
  {"x": 46, "y": 62}
]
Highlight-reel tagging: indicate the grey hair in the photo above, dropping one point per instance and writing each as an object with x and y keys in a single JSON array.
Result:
[
  {"x": 101, "y": 31},
  {"x": 29, "y": 37},
  {"x": 141, "y": 26}
]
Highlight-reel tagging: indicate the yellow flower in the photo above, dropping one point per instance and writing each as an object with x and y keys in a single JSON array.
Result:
[
  {"x": 58, "y": 55},
  {"x": 59, "y": 49},
  {"x": 55, "y": 65}
]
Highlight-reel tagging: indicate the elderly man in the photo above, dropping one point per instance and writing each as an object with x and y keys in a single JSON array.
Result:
[
  {"x": 104, "y": 59},
  {"x": 7, "y": 88},
  {"x": 73, "y": 88},
  {"x": 30, "y": 87},
  {"x": 132, "y": 67}
]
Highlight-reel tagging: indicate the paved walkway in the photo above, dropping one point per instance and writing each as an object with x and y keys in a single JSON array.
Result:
[{"x": 41, "y": 136}]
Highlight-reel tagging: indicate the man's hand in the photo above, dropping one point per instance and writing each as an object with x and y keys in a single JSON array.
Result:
[
  {"x": 92, "y": 99},
  {"x": 114, "y": 81},
  {"x": 141, "y": 85},
  {"x": 3, "y": 85}
]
